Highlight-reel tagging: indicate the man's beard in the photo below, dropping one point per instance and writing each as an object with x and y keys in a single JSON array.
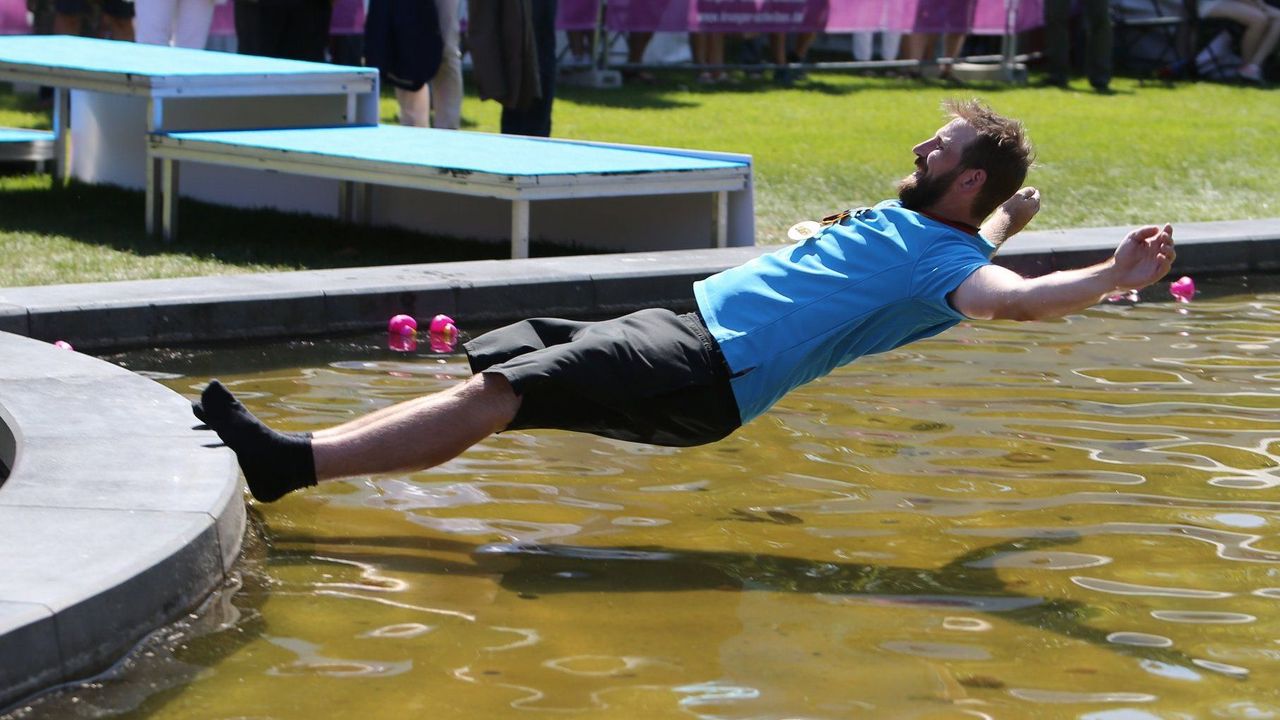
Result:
[{"x": 917, "y": 192}]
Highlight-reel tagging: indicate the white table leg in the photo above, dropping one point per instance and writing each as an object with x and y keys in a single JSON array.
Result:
[
  {"x": 61, "y": 136},
  {"x": 720, "y": 218},
  {"x": 169, "y": 184},
  {"x": 154, "y": 193},
  {"x": 519, "y": 229}
]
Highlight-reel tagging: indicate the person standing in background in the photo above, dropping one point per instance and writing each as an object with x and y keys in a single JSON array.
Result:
[
  {"x": 1098, "y": 41},
  {"x": 513, "y": 54},
  {"x": 180, "y": 23}
]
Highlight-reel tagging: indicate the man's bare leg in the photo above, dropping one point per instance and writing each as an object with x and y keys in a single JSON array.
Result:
[
  {"x": 418, "y": 433},
  {"x": 412, "y": 435}
]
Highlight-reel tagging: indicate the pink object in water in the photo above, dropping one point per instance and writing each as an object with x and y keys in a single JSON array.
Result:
[
  {"x": 62, "y": 345},
  {"x": 443, "y": 334},
  {"x": 402, "y": 343},
  {"x": 442, "y": 344},
  {"x": 402, "y": 325},
  {"x": 1183, "y": 289}
]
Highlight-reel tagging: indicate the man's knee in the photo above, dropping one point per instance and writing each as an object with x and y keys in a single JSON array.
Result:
[{"x": 495, "y": 395}]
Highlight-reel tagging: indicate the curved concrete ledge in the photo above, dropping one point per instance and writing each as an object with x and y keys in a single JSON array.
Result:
[{"x": 114, "y": 519}]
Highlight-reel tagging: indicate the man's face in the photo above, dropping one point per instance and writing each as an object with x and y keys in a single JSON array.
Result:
[{"x": 937, "y": 165}]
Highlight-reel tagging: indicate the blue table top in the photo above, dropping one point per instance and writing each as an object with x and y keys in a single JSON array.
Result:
[
  {"x": 8, "y": 135},
  {"x": 463, "y": 151},
  {"x": 66, "y": 52}
]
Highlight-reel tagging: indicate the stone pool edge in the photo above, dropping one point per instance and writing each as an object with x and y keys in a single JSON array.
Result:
[
  {"x": 116, "y": 518},
  {"x": 144, "y": 313}
]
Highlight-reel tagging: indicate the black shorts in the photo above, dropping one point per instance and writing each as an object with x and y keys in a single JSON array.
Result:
[
  {"x": 402, "y": 39},
  {"x": 651, "y": 376}
]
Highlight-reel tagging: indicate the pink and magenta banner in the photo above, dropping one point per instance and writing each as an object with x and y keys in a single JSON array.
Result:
[
  {"x": 978, "y": 17},
  {"x": 13, "y": 17}
]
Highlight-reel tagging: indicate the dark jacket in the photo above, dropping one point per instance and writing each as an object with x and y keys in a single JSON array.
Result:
[{"x": 504, "y": 54}]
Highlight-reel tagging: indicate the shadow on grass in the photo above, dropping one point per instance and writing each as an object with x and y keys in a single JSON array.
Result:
[{"x": 112, "y": 217}]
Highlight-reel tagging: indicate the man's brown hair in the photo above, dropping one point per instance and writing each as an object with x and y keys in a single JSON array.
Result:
[{"x": 1001, "y": 149}]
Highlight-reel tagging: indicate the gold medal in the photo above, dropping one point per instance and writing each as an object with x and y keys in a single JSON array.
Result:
[
  {"x": 804, "y": 230},
  {"x": 808, "y": 228}
]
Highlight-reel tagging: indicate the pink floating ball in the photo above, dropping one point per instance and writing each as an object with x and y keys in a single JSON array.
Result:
[
  {"x": 62, "y": 345},
  {"x": 401, "y": 343},
  {"x": 1183, "y": 289},
  {"x": 402, "y": 325}
]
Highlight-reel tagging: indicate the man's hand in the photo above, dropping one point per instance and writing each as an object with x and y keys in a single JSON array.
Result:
[
  {"x": 1012, "y": 216},
  {"x": 1144, "y": 256}
]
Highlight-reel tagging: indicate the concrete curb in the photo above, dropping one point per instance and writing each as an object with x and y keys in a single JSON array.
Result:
[
  {"x": 115, "y": 518},
  {"x": 157, "y": 312}
]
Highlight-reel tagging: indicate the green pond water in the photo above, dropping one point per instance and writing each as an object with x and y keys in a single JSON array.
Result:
[{"x": 1071, "y": 519}]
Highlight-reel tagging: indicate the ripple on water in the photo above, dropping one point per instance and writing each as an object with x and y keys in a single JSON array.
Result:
[
  {"x": 401, "y": 630},
  {"x": 1119, "y": 588},
  {"x": 1042, "y": 560},
  {"x": 1203, "y": 617},
  {"x": 1137, "y": 639},
  {"x": 1063, "y": 696}
]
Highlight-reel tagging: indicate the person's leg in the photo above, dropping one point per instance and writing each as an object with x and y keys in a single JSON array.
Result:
[
  {"x": 1057, "y": 40},
  {"x": 420, "y": 433},
  {"x": 1097, "y": 18},
  {"x": 311, "y": 28},
  {"x": 778, "y": 56},
  {"x": 1270, "y": 38},
  {"x": 155, "y": 21},
  {"x": 715, "y": 54},
  {"x": 248, "y": 21},
  {"x": 861, "y": 45},
  {"x": 415, "y": 434},
  {"x": 1254, "y": 22},
  {"x": 804, "y": 41},
  {"x": 415, "y": 106},
  {"x": 637, "y": 43},
  {"x": 544, "y": 32},
  {"x": 191, "y": 27},
  {"x": 446, "y": 86}
]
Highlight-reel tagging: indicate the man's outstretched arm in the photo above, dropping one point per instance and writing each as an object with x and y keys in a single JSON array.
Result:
[{"x": 996, "y": 293}]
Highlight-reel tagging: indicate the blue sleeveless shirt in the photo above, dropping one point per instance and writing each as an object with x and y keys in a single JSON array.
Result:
[{"x": 874, "y": 282}]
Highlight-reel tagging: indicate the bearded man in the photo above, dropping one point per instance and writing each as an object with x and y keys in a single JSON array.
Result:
[{"x": 866, "y": 281}]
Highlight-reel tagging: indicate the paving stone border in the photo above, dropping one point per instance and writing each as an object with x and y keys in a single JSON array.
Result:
[
  {"x": 115, "y": 516},
  {"x": 147, "y": 313}
]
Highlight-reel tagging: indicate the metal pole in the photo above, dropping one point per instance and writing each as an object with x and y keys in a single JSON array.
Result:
[
  {"x": 1010, "y": 45},
  {"x": 597, "y": 52}
]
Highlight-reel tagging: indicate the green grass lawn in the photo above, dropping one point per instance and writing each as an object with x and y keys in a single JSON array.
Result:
[{"x": 1147, "y": 153}]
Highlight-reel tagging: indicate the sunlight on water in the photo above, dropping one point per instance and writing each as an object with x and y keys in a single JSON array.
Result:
[{"x": 1073, "y": 519}]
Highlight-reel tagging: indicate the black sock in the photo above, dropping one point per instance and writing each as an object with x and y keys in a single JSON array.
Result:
[{"x": 273, "y": 463}]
